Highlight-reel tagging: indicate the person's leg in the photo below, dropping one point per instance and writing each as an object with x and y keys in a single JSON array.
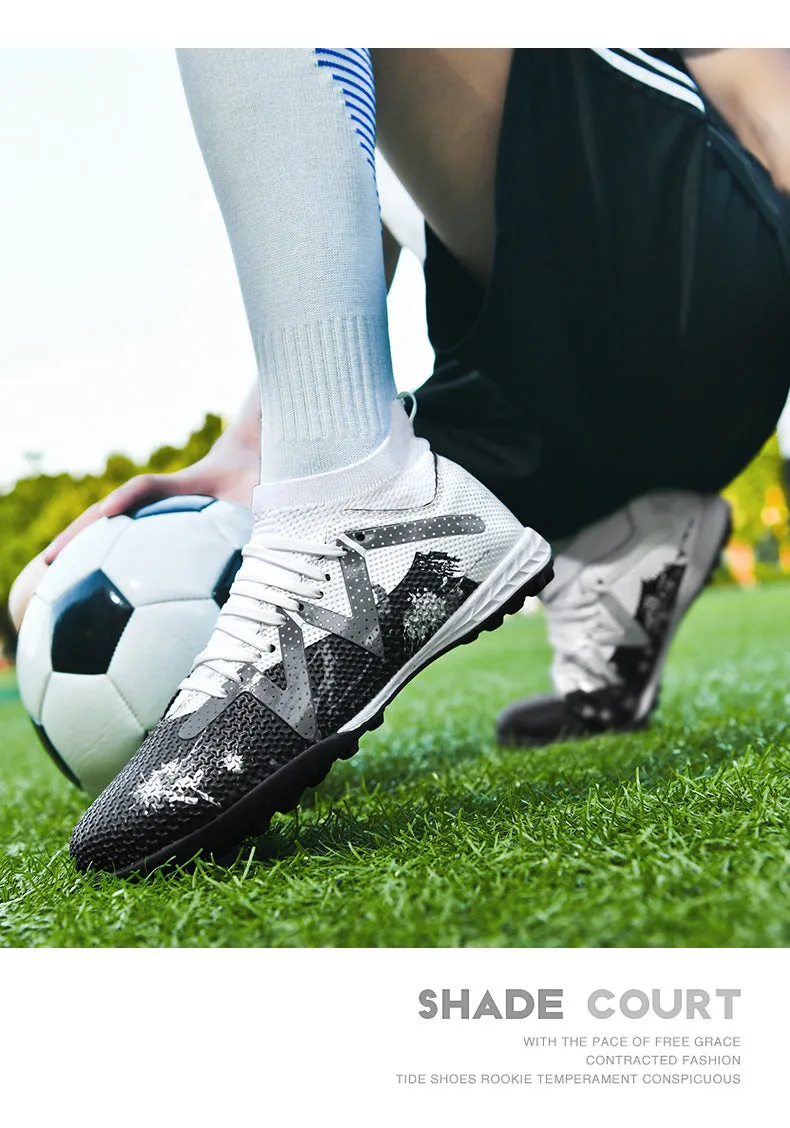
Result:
[
  {"x": 639, "y": 264},
  {"x": 675, "y": 289},
  {"x": 310, "y": 262},
  {"x": 288, "y": 138},
  {"x": 439, "y": 119},
  {"x": 369, "y": 556}
]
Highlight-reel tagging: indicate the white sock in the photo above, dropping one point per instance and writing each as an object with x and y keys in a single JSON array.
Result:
[{"x": 288, "y": 137}]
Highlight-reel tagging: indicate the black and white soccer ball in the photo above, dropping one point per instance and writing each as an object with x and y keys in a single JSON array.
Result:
[{"x": 115, "y": 623}]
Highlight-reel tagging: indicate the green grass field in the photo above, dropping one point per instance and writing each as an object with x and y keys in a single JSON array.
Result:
[{"x": 433, "y": 836}]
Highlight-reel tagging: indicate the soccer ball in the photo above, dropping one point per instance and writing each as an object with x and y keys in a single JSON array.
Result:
[{"x": 115, "y": 624}]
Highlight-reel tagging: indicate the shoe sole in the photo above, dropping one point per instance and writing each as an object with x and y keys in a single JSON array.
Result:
[{"x": 282, "y": 790}]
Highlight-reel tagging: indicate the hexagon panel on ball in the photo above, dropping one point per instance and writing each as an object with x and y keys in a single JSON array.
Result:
[
  {"x": 170, "y": 556},
  {"x": 87, "y": 623}
]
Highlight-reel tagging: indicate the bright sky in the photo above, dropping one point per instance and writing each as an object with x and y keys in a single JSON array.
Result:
[{"x": 121, "y": 322}]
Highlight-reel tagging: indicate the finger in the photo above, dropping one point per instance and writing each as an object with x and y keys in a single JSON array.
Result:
[{"x": 143, "y": 488}]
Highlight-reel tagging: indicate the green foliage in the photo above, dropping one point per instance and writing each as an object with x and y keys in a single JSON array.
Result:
[
  {"x": 758, "y": 485},
  {"x": 433, "y": 836},
  {"x": 37, "y": 509}
]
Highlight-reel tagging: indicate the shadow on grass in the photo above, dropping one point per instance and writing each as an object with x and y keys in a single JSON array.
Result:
[
  {"x": 567, "y": 768},
  {"x": 564, "y": 773}
]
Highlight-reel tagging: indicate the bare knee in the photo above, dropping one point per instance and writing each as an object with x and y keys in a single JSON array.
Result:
[{"x": 439, "y": 113}]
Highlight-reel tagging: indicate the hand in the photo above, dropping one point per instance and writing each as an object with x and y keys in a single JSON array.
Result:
[
  {"x": 229, "y": 474},
  {"x": 228, "y": 471}
]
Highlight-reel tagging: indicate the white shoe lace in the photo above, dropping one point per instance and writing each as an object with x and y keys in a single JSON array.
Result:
[
  {"x": 581, "y": 661},
  {"x": 270, "y": 581}
]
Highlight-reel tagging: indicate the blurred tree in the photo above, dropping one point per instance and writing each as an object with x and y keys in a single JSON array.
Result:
[
  {"x": 752, "y": 492},
  {"x": 760, "y": 544}
]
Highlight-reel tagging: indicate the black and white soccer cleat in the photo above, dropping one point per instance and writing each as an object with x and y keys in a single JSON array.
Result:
[
  {"x": 621, "y": 589},
  {"x": 342, "y": 598}
]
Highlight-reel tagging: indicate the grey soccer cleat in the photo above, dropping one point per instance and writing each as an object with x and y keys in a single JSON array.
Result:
[{"x": 621, "y": 589}]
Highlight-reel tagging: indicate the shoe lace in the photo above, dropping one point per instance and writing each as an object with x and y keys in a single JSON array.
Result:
[
  {"x": 275, "y": 577},
  {"x": 581, "y": 659}
]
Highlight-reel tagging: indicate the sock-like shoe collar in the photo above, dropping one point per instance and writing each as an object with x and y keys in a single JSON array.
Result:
[{"x": 395, "y": 456}]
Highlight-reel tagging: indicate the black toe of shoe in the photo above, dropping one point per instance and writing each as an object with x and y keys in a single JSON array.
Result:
[
  {"x": 546, "y": 718},
  {"x": 182, "y": 793},
  {"x": 537, "y": 720}
]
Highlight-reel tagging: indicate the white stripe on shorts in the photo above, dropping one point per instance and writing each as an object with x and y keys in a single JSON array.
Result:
[
  {"x": 660, "y": 65},
  {"x": 650, "y": 77}
]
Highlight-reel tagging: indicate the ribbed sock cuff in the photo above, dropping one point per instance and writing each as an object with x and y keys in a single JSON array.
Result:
[{"x": 325, "y": 393}]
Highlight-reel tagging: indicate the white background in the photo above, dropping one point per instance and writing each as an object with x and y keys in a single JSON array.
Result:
[{"x": 316, "y": 1038}]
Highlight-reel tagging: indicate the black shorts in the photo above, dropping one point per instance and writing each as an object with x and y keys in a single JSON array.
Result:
[{"x": 635, "y": 334}]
